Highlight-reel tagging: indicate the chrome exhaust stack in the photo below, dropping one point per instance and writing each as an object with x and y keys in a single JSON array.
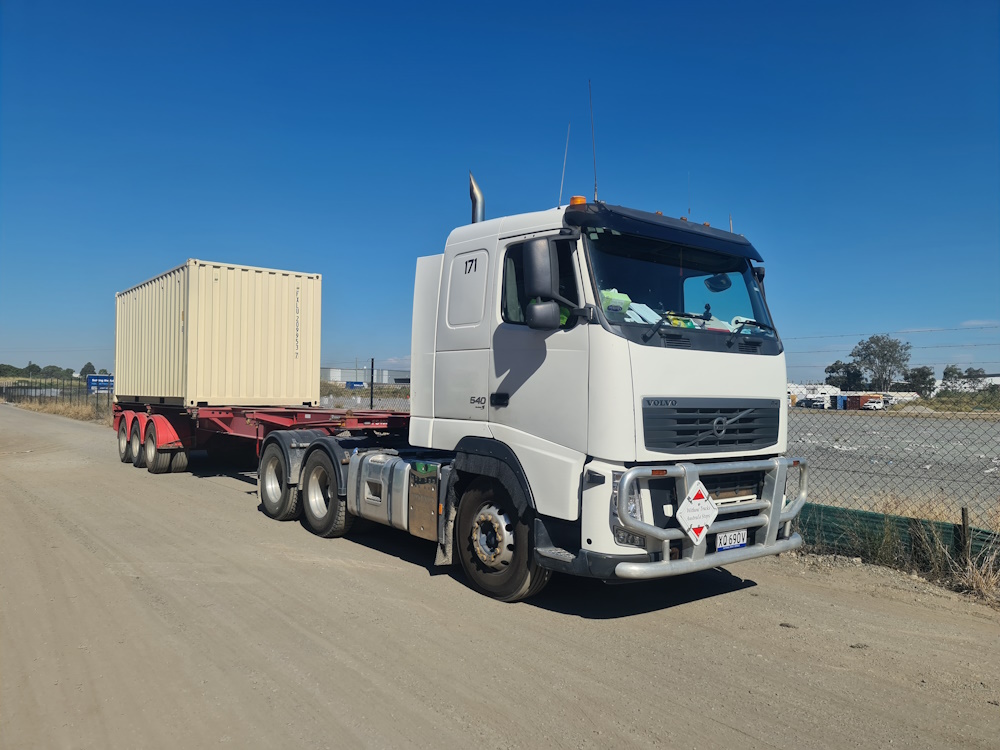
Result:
[{"x": 478, "y": 202}]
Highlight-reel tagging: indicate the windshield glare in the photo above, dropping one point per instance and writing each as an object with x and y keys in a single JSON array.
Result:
[{"x": 641, "y": 281}]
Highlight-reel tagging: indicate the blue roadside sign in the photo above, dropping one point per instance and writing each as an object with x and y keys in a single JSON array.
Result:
[
  {"x": 355, "y": 384},
  {"x": 100, "y": 383}
]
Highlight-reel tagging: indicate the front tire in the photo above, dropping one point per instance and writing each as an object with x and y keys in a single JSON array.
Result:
[
  {"x": 279, "y": 500},
  {"x": 496, "y": 547},
  {"x": 324, "y": 511}
]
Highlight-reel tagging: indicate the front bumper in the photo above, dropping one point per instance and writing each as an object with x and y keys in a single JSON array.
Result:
[{"x": 768, "y": 532}]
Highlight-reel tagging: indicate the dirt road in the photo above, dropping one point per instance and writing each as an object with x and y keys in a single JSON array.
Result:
[{"x": 142, "y": 611}]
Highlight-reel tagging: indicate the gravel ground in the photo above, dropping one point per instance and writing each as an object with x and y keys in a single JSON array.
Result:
[{"x": 142, "y": 611}]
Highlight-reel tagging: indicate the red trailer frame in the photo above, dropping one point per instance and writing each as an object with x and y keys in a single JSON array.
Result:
[{"x": 183, "y": 428}]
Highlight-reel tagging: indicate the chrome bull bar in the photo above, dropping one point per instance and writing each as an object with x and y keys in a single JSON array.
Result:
[{"x": 775, "y": 517}]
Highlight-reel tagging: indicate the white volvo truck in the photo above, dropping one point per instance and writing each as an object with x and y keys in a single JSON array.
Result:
[{"x": 595, "y": 390}]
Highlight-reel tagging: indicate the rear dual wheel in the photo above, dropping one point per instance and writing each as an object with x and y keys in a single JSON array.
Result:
[
  {"x": 136, "y": 447},
  {"x": 124, "y": 443},
  {"x": 279, "y": 499},
  {"x": 324, "y": 511},
  {"x": 160, "y": 461}
]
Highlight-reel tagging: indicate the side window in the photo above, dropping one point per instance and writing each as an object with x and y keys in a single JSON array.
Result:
[
  {"x": 513, "y": 300},
  {"x": 467, "y": 292}
]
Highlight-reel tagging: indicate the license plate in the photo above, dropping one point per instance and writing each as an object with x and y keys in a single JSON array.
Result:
[{"x": 730, "y": 540}]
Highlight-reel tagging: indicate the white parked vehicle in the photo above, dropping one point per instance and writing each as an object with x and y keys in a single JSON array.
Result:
[{"x": 875, "y": 404}]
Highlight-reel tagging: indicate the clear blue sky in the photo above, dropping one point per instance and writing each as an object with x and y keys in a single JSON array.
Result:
[{"x": 857, "y": 145}]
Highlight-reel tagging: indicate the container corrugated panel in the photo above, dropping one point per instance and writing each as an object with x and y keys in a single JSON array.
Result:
[{"x": 218, "y": 334}]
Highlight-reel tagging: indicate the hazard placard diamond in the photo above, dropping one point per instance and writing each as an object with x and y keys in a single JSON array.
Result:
[{"x": 697, "y": 512}]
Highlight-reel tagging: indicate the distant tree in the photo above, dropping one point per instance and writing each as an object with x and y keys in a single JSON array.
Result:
[
  {"x": 52, "y": 371},
  {"x": 882, "y": 358},
  {"x": 102, "y": 371},
  {"x": 845, "y": 375},
  {"x": 32, "y": 370},
  {"x": 68, "y": 372},
  {"x": 955, "y": 380},
  {"x": 975, "y": 378},
  {"x": 11, "y": 371},
  {"x": 921, "y": 380},
  {"x": 970, "y": 381},
  {"x": 87, "y": 369}
]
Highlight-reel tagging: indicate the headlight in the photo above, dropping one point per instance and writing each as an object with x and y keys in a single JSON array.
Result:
[{"x": 633, "y": 506}]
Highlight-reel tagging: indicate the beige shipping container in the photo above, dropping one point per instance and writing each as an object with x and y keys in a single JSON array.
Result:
[{"x": 218, "y": 334}]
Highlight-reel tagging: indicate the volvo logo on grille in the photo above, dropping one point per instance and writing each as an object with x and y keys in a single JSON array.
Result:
[
  {"x": 661, "y": 402},
  {"x": 719, "y": 426}
]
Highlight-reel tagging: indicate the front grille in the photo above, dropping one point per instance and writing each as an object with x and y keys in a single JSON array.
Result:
[
  {"x": 726, "y": 487},
  {"x": 697, "y": 425}
]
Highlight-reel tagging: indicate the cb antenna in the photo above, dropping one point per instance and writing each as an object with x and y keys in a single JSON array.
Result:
[
  {"x": 593, "y": 138},
  {"x": 565, "y": 154}
]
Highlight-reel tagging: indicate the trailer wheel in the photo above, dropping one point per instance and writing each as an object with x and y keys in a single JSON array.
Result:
[
  {"x": 495, "y": 547},
  {"x": 135, "y": 445},
  {"x": 324, "y": 511},
  {"x": 179, "y": 461},
  {"x": 279, "y": 499},
  {"x": 124, "y": 443},
  {"x": 157, "y": 461}
]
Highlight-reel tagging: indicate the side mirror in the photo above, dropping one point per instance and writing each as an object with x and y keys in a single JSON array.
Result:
[
  {"x": 541, "y": 270},
  {"x": 543, "y": 316},
  {"x": 758, "y": 273}
]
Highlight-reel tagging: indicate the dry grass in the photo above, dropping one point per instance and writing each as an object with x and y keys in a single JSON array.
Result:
[
  {"x": 82, "y": 412},
  {"x": 980, "y": 577},
  {"x": 926, "y": 552}
]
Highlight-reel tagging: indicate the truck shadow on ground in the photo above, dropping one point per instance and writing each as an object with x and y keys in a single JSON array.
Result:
[
  {"x": 568, "y": 595},
  {"x": 596, "y": 600},
  {"x": 204, "y": 467},
  {"x": 398, "y": 544}
]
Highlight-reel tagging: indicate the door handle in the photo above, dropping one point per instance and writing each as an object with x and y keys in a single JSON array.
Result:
[{"x": 499, "y": 399}]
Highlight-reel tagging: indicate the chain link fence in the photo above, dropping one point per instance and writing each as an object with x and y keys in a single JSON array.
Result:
[
  {"x": 361, "y": 396},
  {"x": 925, "y": 458},
  {"x": 67, "y": 396}
]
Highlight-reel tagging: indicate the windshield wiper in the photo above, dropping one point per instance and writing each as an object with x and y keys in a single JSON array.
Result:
[
  {"x": 663, "y": 319},
  {"x": 742, "y": 325}
]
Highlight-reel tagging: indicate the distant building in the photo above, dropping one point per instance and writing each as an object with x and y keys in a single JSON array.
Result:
[{"x": 363, "y": 375}]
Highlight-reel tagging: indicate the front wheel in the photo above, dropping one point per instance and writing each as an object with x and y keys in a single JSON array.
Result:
[{"x": 495, "y": 547}]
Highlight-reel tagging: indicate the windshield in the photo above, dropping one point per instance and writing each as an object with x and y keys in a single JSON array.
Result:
[{"x": 651, "y": 290}]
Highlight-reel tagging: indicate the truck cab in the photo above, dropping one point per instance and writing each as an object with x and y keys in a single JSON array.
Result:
[{"x": 572, "y": 357}]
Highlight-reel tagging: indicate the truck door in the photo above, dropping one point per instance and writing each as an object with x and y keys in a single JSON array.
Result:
[
  {"x": 463, "y": 339},
  {"x": 538, "y": 380}
]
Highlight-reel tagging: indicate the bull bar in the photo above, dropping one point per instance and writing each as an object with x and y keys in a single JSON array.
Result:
[{"x": 775, "y": 516}]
